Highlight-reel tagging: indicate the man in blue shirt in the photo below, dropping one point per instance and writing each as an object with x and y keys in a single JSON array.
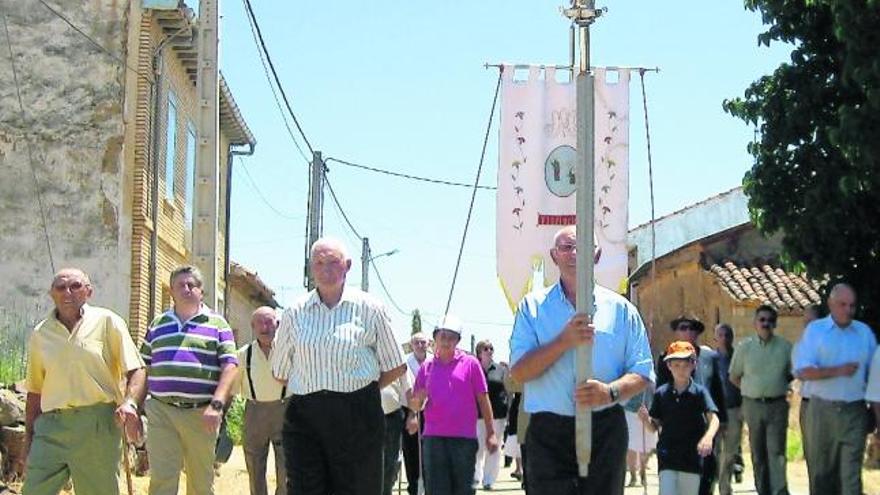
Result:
[
  {"x": 833, "y": 356},
  {"x": 542, "y": 353}
]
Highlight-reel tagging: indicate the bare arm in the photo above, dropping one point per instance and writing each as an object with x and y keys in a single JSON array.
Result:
[
  {"x": 136, "y": 388},
  {"x": 486, "y": 411},
  {"x": 577, "y": 331},
  {"x": 650, "y": 423},
  {"x": 386, "y": 377},
  {"x": 736, "y": 381},
  {"x": 32, "y": 411},
  {"x": 227, "y": 377},
  {"x": 593, "y": 393},
  {"x": 704, "y": 447},
  {"x": 817, "y": 373}
]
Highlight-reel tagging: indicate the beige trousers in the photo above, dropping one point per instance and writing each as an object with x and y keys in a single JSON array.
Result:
[{"x": 177, "y": 440}]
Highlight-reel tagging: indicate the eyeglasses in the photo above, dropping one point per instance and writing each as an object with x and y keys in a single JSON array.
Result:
[
  {"x": 566, "y": 248},
  {"x": 767, "y": 320},
  {"x": 72, "y": 286},
  {"x": 490, "y": 349},
  {"x": 685, "y": 328}
]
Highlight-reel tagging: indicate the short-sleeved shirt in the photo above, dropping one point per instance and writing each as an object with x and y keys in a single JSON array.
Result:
[
  {"x": 185, "y": 358},
  {"x": 257, "y": 373},
  {"x": 495, "y": 376},
  {"x": 620, "y": 345},
  {"x": 824, "y": 345},
  {"x": 339, "y": 349},
  {"x": 764, "y": 367},
  {"x": 732, "y": 394},
  {"x": 81, "y": 367},
  {"x": 453, "y": 389},
  {"x": 682, "y": 418},
  {"x": 872, "y": 393}
]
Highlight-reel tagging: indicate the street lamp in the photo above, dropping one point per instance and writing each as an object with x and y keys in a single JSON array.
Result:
[{"x": 366, "y": 259}]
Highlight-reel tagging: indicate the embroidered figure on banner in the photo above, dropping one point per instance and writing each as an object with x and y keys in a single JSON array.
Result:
[
  {"x": 559, "y": 171},
  {"x": 516, "y": 164}
]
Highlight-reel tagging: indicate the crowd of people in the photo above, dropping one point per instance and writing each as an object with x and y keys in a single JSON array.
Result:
[{"x": 328, "y": 388}]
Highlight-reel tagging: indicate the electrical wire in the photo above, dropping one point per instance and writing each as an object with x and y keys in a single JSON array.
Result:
[
  {"x": 262, "y": 42},
  {"x": 339, "y": 207},
  {"x": 261, "y": 196},
  {"x": 95, "y": 43},
  {"x": 251, "y": 23},
  {"x": 30, "y": 151},
  {"x": 474, "y": 193},
  {"x": 386, "y": 291},
  {"x": 408, "y": 176}
]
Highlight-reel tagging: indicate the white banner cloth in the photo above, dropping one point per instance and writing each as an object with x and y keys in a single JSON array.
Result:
[{"x": 536, "y": 185}]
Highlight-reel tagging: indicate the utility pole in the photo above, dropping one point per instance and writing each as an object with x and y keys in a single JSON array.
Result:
[
  {"x": 365, "y": 265},
  {"x": 316, "y": 213},
  {"x": 207, "y": 181},
  {"x": 582, "y": 14}
]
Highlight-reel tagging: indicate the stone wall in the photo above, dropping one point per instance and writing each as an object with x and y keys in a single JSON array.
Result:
[{"x": 62, "y": 159}]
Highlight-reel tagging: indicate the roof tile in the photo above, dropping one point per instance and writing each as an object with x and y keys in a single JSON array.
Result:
[{"x": 766, "y": 284}]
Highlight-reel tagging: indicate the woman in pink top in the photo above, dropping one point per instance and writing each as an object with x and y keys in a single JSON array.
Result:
[{"x": 450, "y": 386}]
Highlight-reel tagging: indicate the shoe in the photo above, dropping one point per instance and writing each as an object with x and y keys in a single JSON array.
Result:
[
  {"x": 516, "y": 476},
  {"x": 487, "y": 488}
]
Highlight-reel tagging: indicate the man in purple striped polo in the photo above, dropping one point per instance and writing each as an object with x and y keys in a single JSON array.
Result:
[{"x": 191, "y": 365}]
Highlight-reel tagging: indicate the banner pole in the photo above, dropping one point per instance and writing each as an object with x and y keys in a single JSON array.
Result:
[{"x": 583, "y": 13}]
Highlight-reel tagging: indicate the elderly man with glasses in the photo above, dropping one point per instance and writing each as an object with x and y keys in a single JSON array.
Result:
[
  {"x": 708, "y": 374},
  {"x": 761, "y": 368},
  {"x": 77, "y": 358}
]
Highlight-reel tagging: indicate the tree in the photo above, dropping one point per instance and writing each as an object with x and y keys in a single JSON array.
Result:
[
  {"x": 416, "y": 322},
  {"x": 816, "y": 176}
]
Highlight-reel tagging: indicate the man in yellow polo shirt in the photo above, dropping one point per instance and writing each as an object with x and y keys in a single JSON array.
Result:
[{"x": 78, "y": 359}]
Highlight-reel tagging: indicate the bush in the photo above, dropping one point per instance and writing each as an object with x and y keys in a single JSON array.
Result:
[
  {"x": 235, "y": 419},
  {"x": 794, "y": 447}
]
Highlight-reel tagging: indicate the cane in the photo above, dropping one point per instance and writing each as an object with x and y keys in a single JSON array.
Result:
[
  {"x": 421, "y": 468},
  {"x": 127, "y": 463}
]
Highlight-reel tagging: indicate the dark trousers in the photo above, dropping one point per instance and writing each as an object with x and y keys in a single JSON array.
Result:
[
  {"x": 411, "y": 460},
  {"x": 710, "y": 471},
  {"x": 449, "y": 465},
  {"x": 391, "y": 455},
  {"x": 333, "y": 443},
  {"x": 552, "y": 463}
]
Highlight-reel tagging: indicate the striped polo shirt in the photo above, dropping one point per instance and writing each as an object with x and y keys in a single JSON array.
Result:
[
  {"x": 184, "y": 359},
  {"x": 340, "y": 349}
]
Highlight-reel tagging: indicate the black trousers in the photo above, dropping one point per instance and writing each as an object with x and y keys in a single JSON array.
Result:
[
  {"x": 410, "y": 447},
  {"x": 551, "y": 463},
  {"x": 333, "y": 443}
]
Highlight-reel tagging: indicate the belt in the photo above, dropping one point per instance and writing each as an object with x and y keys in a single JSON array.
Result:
[
  {"x": 185, "y": 405},
  {"x": 767, "y": 400}
]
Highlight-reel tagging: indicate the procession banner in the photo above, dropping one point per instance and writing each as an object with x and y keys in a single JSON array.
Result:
[{"x": 536, "y": 175}]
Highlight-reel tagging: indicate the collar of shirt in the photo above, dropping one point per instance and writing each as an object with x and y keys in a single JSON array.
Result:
[
  {"x": 315, "y": 298},
  {"x": 204, "y": 310},
  {"x": 690, "y": 389}
]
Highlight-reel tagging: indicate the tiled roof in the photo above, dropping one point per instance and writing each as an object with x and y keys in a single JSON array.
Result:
[{"x": 766, "y": 284}]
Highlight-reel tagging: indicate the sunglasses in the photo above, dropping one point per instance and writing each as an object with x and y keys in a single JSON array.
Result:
[
  {"x": 767, "y": 320},
  {"x": 72, "y": 286},
  {"x": 491, "y": 349},
  {"x": 566, "y": 248},
  {"x": 685, "y": 328}
]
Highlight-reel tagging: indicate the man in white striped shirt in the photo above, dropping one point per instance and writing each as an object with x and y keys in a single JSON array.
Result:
[{"x": 336, "y": 350}]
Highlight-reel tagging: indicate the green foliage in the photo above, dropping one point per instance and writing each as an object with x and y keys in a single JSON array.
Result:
[
  {"x": 794, "y": 445},
  {"x": 817, "y": 160},
  {"x": 235, "y": 419},
  {"x": 416, "y": 321},
  {"x": 14, "y": 331}
]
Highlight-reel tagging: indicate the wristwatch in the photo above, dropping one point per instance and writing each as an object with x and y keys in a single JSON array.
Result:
[
  {"x": 614, "y": 392},
  {"x": 216, "y": 405}
]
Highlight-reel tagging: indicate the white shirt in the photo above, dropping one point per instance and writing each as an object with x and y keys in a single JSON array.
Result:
[
  {"x": 257, "y": 374},
  {"x": 413, "y": 364},
  {"x": 394, "y": 395},
  {"x": 340, "y": 349},
  {"x": 872, "y": 394}
]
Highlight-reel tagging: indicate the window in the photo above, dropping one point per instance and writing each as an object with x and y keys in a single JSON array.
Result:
[
  {"x": 170, "y": 145},
  {"x": 189, "y": 197}
]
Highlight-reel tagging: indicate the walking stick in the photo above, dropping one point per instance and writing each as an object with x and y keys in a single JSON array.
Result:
[
  {"x": 127, "y": 464},
  {"x": 421, "y": 483}
]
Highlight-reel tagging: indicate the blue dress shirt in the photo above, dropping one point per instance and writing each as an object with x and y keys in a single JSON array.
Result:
[
  {"x": 620, "y": 345},
  {"x": 823, "y": 345}
]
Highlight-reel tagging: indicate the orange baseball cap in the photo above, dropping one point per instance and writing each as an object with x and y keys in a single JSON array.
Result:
[{"x": 680, "y": 349}]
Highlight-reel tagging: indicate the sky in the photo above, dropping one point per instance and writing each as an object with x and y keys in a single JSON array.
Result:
[{"x": 402, "y": 86}]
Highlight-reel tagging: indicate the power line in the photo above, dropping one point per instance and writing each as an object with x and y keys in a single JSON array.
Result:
[
  {"x": 253, "y": 18},
  {"x": 30, "y": 151},
  {"x": 408, "y": 176},
  {"x": 272, "y": 87},
  {"x": 261, "y": 196},
  {"x": 385, "y": 289},
  {"x": 474, "y": 193},
  {"x": 339, "y": 207},
  {"x": 95, "y": 43}
]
